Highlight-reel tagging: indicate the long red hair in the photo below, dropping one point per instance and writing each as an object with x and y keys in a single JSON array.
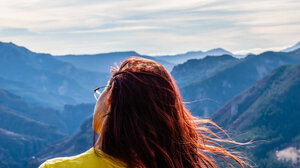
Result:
[{"x": 148, "y": 126}]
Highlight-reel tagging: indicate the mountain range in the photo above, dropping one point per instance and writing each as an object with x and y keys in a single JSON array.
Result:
[
  {"x": 46, "y": 101},
  {"x": 209, "y": 93},
  {"x": 57, "y": 80},
  {"x": 103, "y": 62}
]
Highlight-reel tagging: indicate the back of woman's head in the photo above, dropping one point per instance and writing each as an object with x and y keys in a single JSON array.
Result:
[{"x": 147, "y": 124}]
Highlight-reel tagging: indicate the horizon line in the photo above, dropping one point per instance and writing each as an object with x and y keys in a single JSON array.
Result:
[{"x": 246, "y": 52}]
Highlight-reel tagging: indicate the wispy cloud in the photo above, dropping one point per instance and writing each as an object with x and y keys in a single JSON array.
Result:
[
  {"x": 116, "y": 29},
  {"x": 149, "y": 26}
]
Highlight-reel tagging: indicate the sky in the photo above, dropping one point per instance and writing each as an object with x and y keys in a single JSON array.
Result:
[{"x": 152, "y": 27}]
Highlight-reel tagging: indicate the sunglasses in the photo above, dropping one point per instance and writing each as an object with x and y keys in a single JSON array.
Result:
[{"x": 98, "y": 91}]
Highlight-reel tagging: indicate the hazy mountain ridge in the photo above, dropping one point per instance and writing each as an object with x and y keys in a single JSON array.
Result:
[
  {"x": 96, "y": 62},
  {"x": 269, "y": 113},
  {"x": 181, "y": 58},
  {"x": 103, "y": 62}
]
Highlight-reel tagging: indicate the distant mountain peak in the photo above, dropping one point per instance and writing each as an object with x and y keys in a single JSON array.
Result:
[
  {"x": 9, "y": 45},
  {"x": 292, "y": 48},
  {"x": 2, "y": 43},
  {"x": 218, "y": 51}
]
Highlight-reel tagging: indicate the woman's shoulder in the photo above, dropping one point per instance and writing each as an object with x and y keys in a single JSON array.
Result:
[{"x": 87, "y": 159}]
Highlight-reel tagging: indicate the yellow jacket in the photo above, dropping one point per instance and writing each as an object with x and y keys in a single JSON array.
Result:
[{"x": 88, "y": 159}]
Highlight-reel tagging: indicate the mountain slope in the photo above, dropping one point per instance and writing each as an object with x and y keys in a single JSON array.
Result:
[
  {"x": 16, "y": 147},
  {"x": 67, "y": 121},
  {"x": 224, "y": 85},
  {"x": 14, "y": 121},
  {"x": 12, "y": 102},
  {"x": 76, "y": 144},
  {"x": 22, "y": 132},
  {"x": 269, "y": 113},
  {"x": 74, "y": 115},
  {"x": 17, "y": 116},
  {"x": 35, "y": 96}
]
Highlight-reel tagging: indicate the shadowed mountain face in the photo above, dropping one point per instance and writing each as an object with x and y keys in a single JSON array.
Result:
[
  {"x": 45, "y": 75},
  {"x": 15, "y": 147},
  {"x": 74, "y": 115},
  {"x": 25, "y": 130},
  {"x": 224, "y": 85},
  {"x": 76, "y": 144},
  {"x": 269, "y": 113}
]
